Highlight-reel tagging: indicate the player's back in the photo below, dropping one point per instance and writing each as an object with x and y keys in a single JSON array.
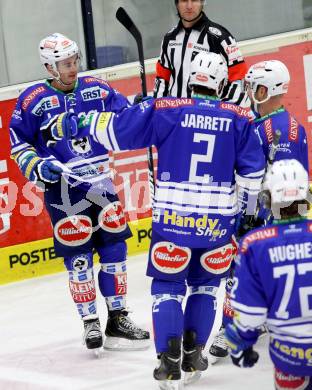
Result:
[
  {"x": 201, "y": 143},
  {"x": 281, "y": 258},
  {"x": 293, "y": 140}
]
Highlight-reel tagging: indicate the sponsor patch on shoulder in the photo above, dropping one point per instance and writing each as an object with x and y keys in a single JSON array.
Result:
[
  {"x": 245, "y": 112},
  {"x": 90, "y": 80},
  {"x": 173, "y": 103},
  {"x": 31, "y": 96},
  {"x": 257, "y": 236},
  {"x": 215, "y": 31},
  {"x": 268, "y": 130},
  {"x": 293, "y": 133},
  {"x": 169, "y": 258}
]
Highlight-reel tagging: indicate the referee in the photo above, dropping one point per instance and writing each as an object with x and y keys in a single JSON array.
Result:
[{"x": 196, "y": 33}]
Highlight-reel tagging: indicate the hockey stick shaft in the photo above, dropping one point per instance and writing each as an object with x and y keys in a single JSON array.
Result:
[
  {"x": 274, "y": 145},
  {"x": 123, "y": 17}
]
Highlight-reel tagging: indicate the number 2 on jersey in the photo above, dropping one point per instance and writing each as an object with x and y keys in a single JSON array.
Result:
[{"x": 201, "y": 158}]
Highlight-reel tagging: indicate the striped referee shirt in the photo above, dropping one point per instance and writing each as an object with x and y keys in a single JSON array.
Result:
[{"x": 180, "y": 46}]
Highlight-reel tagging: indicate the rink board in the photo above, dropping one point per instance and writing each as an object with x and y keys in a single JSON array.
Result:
[
  {"x": 24, "y": 224},
  {"x": 38, "y": 258}
]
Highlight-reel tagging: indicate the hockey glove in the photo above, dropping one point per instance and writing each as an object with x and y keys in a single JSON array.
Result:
[
  {"x": 246, "y": 223},
  {"x": 58, "y": 127},
  {"x": 139, "y": 98},
  {"x": 242, "y": 353},
  {"x": 37, "y": 169}
]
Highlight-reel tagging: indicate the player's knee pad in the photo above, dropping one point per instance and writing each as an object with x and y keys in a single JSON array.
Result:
[
  {"x": 167, "y": 311},
  {"x": 81, "y": 282},
  {"x": 113, "y": 274}
]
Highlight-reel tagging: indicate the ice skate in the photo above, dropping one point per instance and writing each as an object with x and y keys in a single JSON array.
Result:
[
  {"x": 168, "y": 372},
  {"x": 193, "y": 362},
  {"x": 122, "y": 334},
  {"x": 219, "y": 348},
  {"x": 92, "y": 337}
]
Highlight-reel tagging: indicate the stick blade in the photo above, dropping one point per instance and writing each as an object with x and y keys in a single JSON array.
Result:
[{"x": 123, "y": 17}]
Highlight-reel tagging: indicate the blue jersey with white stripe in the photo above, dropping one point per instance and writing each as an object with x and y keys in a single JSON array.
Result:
[
  {"x": 273, "y": 284},
  {"x": 205, "y": 148},
  {"x": 84, "y": 161},
  {"x": 293, "y": 142}
]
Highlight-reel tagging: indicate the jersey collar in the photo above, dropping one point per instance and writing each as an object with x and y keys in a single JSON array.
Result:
[
  {"x": 204, "y": 97},
  {"x": 288, "y": 221},
  {"x": 262, "y": 118},
  {"x": 48, "y": 84}
]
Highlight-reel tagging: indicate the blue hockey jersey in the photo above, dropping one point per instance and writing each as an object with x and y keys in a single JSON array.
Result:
[
  {"x": 84, "y": 161},
  {"x": 293, "y": 142},
  {"x": 201, "y": 145},
  {"x": 273, "y": 284}
]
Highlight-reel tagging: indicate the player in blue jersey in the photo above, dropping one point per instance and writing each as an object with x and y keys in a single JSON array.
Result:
[
  {"x": 206, "y": 149},
  {"x": 84, "y": 209},
  {"x": 273, "y": 283},
  {"x": 267, "y": 83}
]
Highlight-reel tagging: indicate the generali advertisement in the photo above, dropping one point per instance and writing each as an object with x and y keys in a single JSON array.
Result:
[{"x": 26, "y": 245}]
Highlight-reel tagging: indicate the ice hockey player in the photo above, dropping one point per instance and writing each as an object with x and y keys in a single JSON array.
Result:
[
  {"x": 267, "y": 84},
  {"x": 79, "y": 196},
  {"x": 201, "y": 141},
  {"x": 273, "y": 282},
  {"x": 195, "y": 34}
]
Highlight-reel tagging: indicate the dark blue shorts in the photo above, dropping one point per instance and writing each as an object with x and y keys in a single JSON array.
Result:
[{"x": 83, "y": 220}]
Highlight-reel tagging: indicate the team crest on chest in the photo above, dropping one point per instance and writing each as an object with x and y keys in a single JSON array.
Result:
[{"x": 80, "y": 146}]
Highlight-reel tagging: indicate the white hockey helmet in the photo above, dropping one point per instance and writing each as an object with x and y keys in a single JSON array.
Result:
[
  {"x": 272, "y": 74},
  {"x": 209, "y": 70},
  {"x": 287, "y": 181},
  {"x": 55, "y": 48}
]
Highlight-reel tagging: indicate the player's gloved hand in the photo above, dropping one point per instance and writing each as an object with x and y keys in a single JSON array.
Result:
[
  {"x": 242, "y": 353},
  {"x": 58, "y": 127},
  {"x": 247, "y": 358},
  {"x": 139, "y": 98},
  {"x": 38, "y": 170},
  {"x": 246, "y": 223}
]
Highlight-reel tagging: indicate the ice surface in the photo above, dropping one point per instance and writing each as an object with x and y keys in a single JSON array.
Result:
[{"x": 41, "y": 348}]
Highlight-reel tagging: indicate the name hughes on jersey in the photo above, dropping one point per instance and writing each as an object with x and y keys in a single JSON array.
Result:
[
  {"x": 206, "y": 122},
  {"x": 291, "y": 252}
]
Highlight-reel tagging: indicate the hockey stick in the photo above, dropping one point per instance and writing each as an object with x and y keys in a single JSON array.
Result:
[
  {"x": 123, "y": 17},
  {"x": 273, "y": 150},
  {"x": 251, "y": 221}
]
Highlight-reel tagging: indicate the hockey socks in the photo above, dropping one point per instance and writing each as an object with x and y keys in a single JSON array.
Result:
[
  {"x": 200, "y": 312},
  {"x": 82, "y": 283},
  {"x": 113, "y": 275},
  {"x": 167, "y": 312}
]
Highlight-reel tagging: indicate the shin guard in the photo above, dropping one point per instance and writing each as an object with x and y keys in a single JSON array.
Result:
[{"x": 82, "y": 283}]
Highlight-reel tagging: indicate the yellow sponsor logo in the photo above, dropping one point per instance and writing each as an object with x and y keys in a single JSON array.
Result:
[
  {"x": 189, "y": 222},
  {"x": 295, "y": 352},
  {"x": 103, "y": 120}
]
